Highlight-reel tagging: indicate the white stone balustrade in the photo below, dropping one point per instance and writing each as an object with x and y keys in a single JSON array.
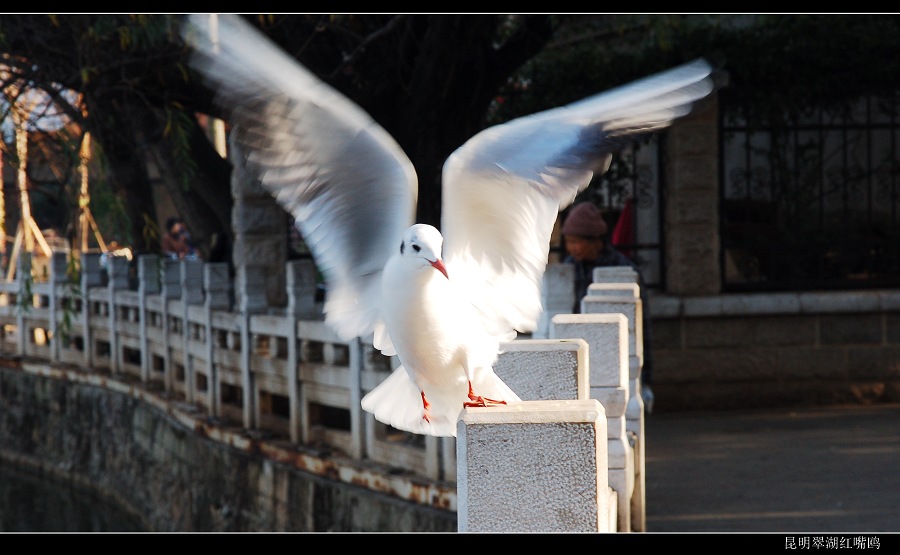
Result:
[
  {"x": 534, "y": 466},
  {"x": 194, "y": 332},
  {"x": 630, "y": 307},
  {"x": 608, "y": 295},
  {"x": 545, "y": 369},
  {"x": 607, "y": 339},
  {"x": 557, "y": 296},
  {"x": 615, "y": 274}
]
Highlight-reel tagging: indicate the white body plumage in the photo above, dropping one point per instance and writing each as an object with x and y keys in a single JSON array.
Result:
[{"x": 439, "y": 338}]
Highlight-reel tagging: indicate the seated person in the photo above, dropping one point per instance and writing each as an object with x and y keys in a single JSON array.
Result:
[{"x": 176, "y": 242}]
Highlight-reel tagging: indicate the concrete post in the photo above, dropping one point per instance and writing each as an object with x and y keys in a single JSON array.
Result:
[
  {"x": 171, "y": 289},
  {"x": 301, "y": 293},
  {"x": 557, "y": 296},
  {"x": 354, "y": 377},
  {"x": 148, "y": 271},
  {"x": 190, "y": 279},
  {"x": 615, "y": 274},
  {"x": 534, "y": 466},
  {"x": 217, "y": 284},
  {"x": 117, "y": 272},
  {"x": 301, "y": 288},
  {"x": 545, "y": 369},
  {"x": 632, "y": 290},
  {"x": 630, "y": 307},
  {"x": 58, "y": 281},
  {"x": 171, "y": 278},
  {"x": 251, "y": 299},
  {"x": 607, "y": 339},
  {"x": 91, "y": 276},
  {"x": 24, "y": 298}
]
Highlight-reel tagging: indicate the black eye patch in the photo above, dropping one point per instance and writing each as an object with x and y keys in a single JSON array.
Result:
[
  {"x": 402, "y": 246},
  {"x": 417, "y": 248}
]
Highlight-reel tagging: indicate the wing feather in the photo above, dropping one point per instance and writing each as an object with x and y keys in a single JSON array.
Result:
[
  {"x": 503, "y": 189},
  {"x": 348, "y": 185}
]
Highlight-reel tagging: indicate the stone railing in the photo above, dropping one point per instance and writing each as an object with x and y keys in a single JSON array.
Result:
[{"x": 187, "y": 330}]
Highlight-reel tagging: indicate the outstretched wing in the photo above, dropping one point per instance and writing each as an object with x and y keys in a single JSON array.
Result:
[
  {"x": 503, "y": 189},
  {"x": 349, "y": 186}
]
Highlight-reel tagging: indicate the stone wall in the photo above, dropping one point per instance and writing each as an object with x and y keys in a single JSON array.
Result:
[
  {"x": 776, "y": 350},
  {"x": 177, "y": 479}
]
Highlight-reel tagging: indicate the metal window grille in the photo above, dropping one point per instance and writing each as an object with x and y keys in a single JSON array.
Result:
[
  {"x": 633, "y": 179},
  {"x": 812, "y": 204}
]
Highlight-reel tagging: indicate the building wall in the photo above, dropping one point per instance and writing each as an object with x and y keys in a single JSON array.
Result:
[
  {"x": 729, "y": 351},
  {"x": 749, "y": 351}
]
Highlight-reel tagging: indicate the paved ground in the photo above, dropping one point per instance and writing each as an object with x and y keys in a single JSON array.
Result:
[{"x": 832, "y": 469}]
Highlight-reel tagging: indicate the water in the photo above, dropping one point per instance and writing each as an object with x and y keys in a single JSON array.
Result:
[{"x": 30, "y": 502}]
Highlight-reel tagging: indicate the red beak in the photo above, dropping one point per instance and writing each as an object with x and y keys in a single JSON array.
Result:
[{"x": 440, "y": 266}]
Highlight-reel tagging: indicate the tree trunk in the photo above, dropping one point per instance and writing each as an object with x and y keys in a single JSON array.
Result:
[
  {"x": 202, "y": 198},
  {"x": 118, "y": 131},
  {"x": 445, "y": 87}
]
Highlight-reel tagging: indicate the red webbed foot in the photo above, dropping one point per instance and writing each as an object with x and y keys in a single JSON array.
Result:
[
  {"x": 426, "y": 405},
  {"x": 479, "y": 401}
]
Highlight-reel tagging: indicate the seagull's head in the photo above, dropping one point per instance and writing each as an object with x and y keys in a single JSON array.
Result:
[{"x": 422, "y": 244}]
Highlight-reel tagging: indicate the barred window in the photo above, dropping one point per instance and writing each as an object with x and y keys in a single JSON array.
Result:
[
  {"x": 812, "y": 204},
  {"x": 631, "y": 188}
]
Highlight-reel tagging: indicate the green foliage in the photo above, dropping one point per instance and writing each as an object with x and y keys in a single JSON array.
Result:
[
  {"x": 592, "y": 54},
  {"x": 782, "y": 68},
  {"x": 777, "y": 69},
  {"x": 133, "y": 33},
  {"x": 177, "y": 128},
  {"x": 778, "y": 66},
  {"x": 106, "y": 202},
  {"x": 152, "y": 233}
]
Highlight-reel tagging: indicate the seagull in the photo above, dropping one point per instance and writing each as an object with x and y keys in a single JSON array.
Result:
[{"x": 441, "y": 301}]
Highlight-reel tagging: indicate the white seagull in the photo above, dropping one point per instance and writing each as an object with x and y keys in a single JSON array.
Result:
[{"x": 442, "y": 303}]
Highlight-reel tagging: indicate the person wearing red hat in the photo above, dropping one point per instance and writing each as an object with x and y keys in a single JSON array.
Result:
[{"x": 585, "y": 238}]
